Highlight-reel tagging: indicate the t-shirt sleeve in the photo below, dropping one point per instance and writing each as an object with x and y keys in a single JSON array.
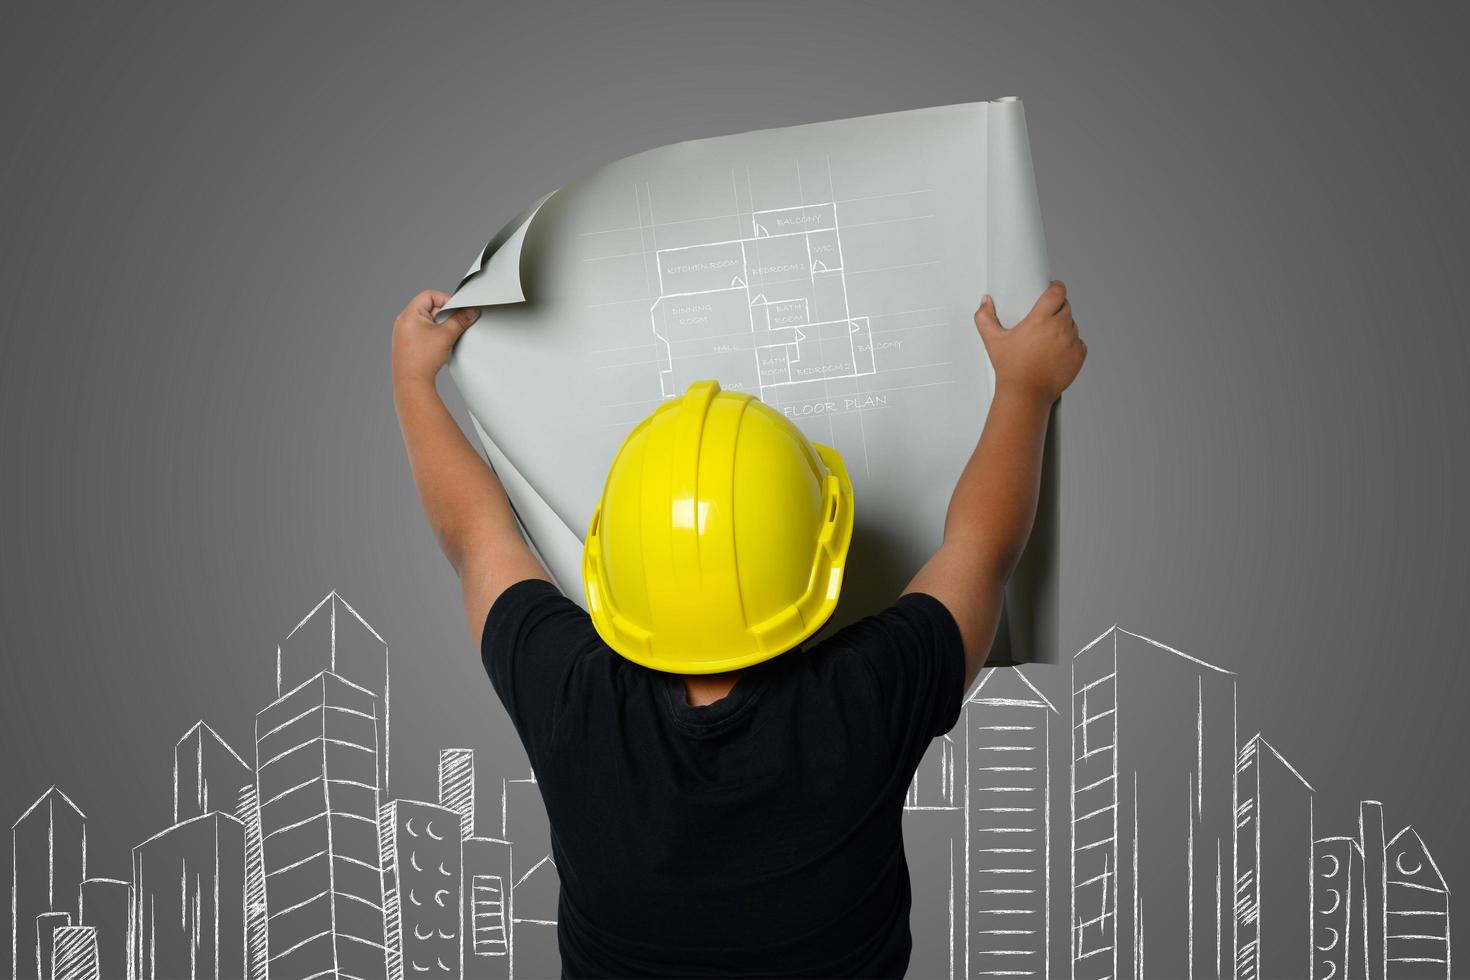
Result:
[
  {"x": 533, "y": 637},
  {"x": 915, "y": 658}
]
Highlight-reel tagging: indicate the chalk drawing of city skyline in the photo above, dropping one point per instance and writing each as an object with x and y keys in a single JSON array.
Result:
[
  {"x": 1188, "y": 851},
  {"x": 291, "y": 860},
  {"x": 1191, "y": 853}
]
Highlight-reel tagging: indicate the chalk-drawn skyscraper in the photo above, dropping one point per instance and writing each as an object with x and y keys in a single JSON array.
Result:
[
  {"x": 257, "y": 917},
  {"x": 457, "y": 786},
  {"x": 1417, "y": 912},
  {"x": 1337, "y": 908},
  {"x": 485, "y": 877},
  {"x": 1382, "y": 907},
  {"x": 934, "y": 836},
  {"x": 1153, "y": 764},
  {"x": 1273, "y": 865},
  {"x": 420, "y": 847},
  {"x": 107, "y": 906},
  {"x": 317, "y": 750},
  {"x": 533, "y": 893},
  {"x": 189, "y": 885},
  {"x": 487, "y": 908},
  {"x": 1007, "y": 748},
  {"x": 48, "y": 850},
  {"x": 208, "y": 774},
  {"x": 188, "y": 881},
  {"x": 335, "y": 639}
]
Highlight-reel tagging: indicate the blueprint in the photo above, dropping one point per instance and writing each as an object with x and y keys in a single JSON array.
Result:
[{"x": 831, "y": 269}]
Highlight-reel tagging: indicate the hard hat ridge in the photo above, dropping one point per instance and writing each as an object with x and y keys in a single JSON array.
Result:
[{"x": 720, "y": 538}]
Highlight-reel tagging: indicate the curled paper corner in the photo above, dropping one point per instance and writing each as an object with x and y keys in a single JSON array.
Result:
[{"x": 494, "y": 279}]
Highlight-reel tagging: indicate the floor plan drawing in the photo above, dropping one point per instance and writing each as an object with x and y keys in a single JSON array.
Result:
[{"x": 761, "y": 311}]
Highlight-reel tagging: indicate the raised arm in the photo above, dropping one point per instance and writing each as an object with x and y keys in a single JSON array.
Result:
[
  {"x": 462, "y": 497},
  {"x": 994, "y": 502}
]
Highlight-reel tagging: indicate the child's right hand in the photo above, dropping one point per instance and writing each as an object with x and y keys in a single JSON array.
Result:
[
  {"x": 1042, "y": 354},
  {"x": 420, "y": 346}
]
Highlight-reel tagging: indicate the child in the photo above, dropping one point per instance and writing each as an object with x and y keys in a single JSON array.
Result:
[{"x": 742, "y": 822}]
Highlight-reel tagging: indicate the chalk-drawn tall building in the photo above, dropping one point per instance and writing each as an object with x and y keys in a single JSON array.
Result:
[
  {"x": 1417, "y": 913},
  {"x": 1373, "y": 845},
  {"x": 1273, "y": 865},
  {"x": 1153, "y": 765},
  {"x": 189, "y": 885},
  {"x": 317, "y": 749},
  {"x": 107, "y": 906},
  {"x": 487, "y": 908},
  {"x": 485, "y": 878},
  {"x": 48, "y": 926},
  {"x": 536, "y": 889},
  {"x": 934, "y": 837},
  {"x": 457, "y": 786},
  {"x": 208, "y": 773},
  {"x": 335, "y": 639},
  {"x": 1337, "y": 908},
  {"x": 257, "y": 917},
  {"x": 420, "y": 848},
  {"x": 48, "y": 861},
  {"x": 1382, "y": 907},
  {"x": 1007, "y": 768}
]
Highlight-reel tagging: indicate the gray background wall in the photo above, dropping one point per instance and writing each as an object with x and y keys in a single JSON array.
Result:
[{"x": 212, "y": 216}]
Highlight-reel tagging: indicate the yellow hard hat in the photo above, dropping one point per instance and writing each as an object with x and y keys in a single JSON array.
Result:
[{"x": 720, "y": 537}]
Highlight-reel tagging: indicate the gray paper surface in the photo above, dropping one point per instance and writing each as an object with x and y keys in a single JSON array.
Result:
[{"x": 830, "y": 269}]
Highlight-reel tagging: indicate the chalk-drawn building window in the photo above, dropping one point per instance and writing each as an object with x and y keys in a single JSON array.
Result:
[{"x": 487, "y": 915}]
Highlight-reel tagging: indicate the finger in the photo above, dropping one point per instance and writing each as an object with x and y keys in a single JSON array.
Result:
[
  {"x": 426, "y": 302},
  {"x": 459, "y": 321},
  {"x": 986, "y": 321},
  {"x": 1051, "y": 299}
]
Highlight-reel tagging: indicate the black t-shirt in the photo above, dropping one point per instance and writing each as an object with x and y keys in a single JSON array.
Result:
[{"x": 756, "y": 836}]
